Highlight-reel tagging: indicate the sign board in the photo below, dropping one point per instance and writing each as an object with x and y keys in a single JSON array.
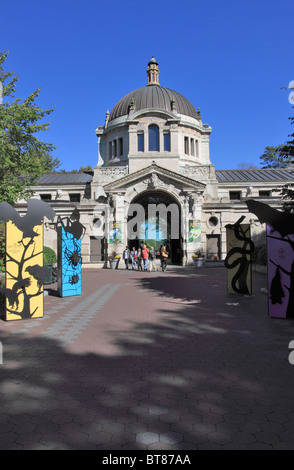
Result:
[
  {"x": 194, "y": 231},
  {"x": 115, "y": 234}
]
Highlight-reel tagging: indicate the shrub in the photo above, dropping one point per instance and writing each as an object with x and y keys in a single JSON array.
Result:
[{"x": 49, "y": 255}]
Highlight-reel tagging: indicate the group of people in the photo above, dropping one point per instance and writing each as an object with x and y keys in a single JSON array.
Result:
[{"x": 145, "y": 259}]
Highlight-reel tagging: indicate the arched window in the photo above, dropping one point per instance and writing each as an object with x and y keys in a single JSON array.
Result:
[{"x": 153, "y": 138}]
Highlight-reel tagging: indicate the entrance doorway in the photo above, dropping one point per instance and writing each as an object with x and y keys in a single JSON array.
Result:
[
  {"x": 213, "y": 246},
  {"x": 97, "y": 249},
  {"x": 159, "y": 223}
]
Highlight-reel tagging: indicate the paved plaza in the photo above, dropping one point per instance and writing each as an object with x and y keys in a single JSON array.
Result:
[{"x": 149, "y": 361}]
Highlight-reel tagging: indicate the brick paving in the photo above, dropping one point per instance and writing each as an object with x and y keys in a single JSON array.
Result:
[{"x": 149, "y": 361}]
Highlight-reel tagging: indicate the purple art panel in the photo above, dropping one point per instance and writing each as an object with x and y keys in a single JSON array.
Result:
[{"x": 280, "y": 254}]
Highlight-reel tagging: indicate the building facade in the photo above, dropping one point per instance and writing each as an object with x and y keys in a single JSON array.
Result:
[{"x": 154, "y": 182}]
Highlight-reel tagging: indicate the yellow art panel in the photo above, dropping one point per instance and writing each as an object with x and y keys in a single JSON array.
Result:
[{"x": 24, "y": 259}]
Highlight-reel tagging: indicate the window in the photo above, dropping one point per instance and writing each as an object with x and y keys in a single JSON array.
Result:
[
  {"x": 153, "y": 138},
  {"x": 264, "y": 193},
  {"x": 115, "y": 148},
  {"x": 110, "y": 150},
  {"x": 140, "y": 142},
  {"x": 45, "y": 197},
  {"x": 166, "y": 141},
  {"x": 192, "y": 147},
  {"x": 120, "y": 146},
  {"x": 235, "y": 195},
  {"x": 186, "y": 141},
  {"x": 75, "y": 197},
  {"x": 197, "y": 148}
]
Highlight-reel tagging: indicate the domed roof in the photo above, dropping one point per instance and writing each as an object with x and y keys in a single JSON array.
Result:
[{"x": 153, "y": 96}]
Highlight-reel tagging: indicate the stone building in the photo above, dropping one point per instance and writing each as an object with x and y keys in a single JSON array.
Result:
[{"x": 153, "y": 153}]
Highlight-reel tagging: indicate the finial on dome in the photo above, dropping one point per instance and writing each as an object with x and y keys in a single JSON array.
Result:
[
  {"x": 173, "y": 104},
  {"x": 107, "y": 117},
  {"x": 198, "y": 113},
  {"x": 132, "y": 105},
  {"x": 153, "y": 72}
]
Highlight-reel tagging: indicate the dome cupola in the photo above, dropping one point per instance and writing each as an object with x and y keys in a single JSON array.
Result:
[
  {"x": 153, "y": 72},
  {"x": 153, "y": 96}
]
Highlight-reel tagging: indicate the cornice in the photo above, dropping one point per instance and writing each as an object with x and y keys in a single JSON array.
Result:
[{"x": 126, "y": 181}]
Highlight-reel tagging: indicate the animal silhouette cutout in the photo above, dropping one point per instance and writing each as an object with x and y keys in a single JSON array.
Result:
[{"x": 276, "y": 290}]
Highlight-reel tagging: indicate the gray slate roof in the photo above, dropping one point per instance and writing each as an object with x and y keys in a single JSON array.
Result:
[
  {"x": 255, "y": 175},
  {"x": 223, "y": 176},
  {"x": 153, "y": 96},
  {"x": 57, "y": 178}
]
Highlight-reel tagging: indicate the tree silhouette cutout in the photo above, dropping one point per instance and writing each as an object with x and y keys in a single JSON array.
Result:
[
  {"x": 25, "y": 272},
  {"x": 283, "y": 224}
]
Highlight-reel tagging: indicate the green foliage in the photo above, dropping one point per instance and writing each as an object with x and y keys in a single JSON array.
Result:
[
  {"x": 84, "y": 169},
  {"x": 2, "y": 246},
  {"x": 281, "y": 156},
  {"x": 49, "y": 255},
  {"x": 275, "y": 157},
  {"x": 287, "y": 196},
  {"x": 288, "y": 148},
  {"x": 23, "y": 158}
]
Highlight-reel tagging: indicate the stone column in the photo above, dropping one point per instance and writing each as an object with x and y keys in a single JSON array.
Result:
[
  {"x": 195, "y": 198},
  {"x": 118, "y": 200},
  {"x": 185, "y": 228},
  {"x": 174, "y": 144},
  {"x": 100, "y": 159}
]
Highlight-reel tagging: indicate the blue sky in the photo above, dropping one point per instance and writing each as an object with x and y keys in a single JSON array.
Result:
[{"x": 231, "y": 58}]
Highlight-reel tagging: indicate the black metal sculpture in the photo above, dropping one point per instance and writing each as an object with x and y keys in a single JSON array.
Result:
[
  {"x": 280, "y": 233},
  {"x": 238, "y": 258}
]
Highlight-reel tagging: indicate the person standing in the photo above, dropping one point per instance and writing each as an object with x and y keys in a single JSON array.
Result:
[
  {"x": 126, "y": 257},
  {"x": 139, "y": 259},
  {"x": 158, "y": 259},
  {"x": 145, "y": 254},
  {"x": 152, "y": 259},
  {"x": 163, "y": 257},
  {"x": 134, "y": 255}
]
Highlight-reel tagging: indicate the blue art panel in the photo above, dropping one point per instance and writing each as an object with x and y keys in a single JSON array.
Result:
[{"x": 69, "y": 264}]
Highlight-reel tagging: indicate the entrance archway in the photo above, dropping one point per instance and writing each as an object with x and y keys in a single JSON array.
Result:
[{"x": 154, "y": 219}]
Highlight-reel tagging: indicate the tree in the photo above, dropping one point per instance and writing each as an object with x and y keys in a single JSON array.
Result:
[
  {"x": 286, "y": 151},
  {"x": 281, "y": 156},
  {"x": 23, "y": 157},
  {"x": 275, "y": 157},
  {"x": 246, "y": 166}
]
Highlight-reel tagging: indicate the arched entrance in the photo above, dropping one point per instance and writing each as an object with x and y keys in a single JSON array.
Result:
[{"x": 154, "y": 219}]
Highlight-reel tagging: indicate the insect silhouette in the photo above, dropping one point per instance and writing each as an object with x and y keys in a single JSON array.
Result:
[
  {"x": 70, "y": 232},
  {"x": 72, "y": 224}
]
